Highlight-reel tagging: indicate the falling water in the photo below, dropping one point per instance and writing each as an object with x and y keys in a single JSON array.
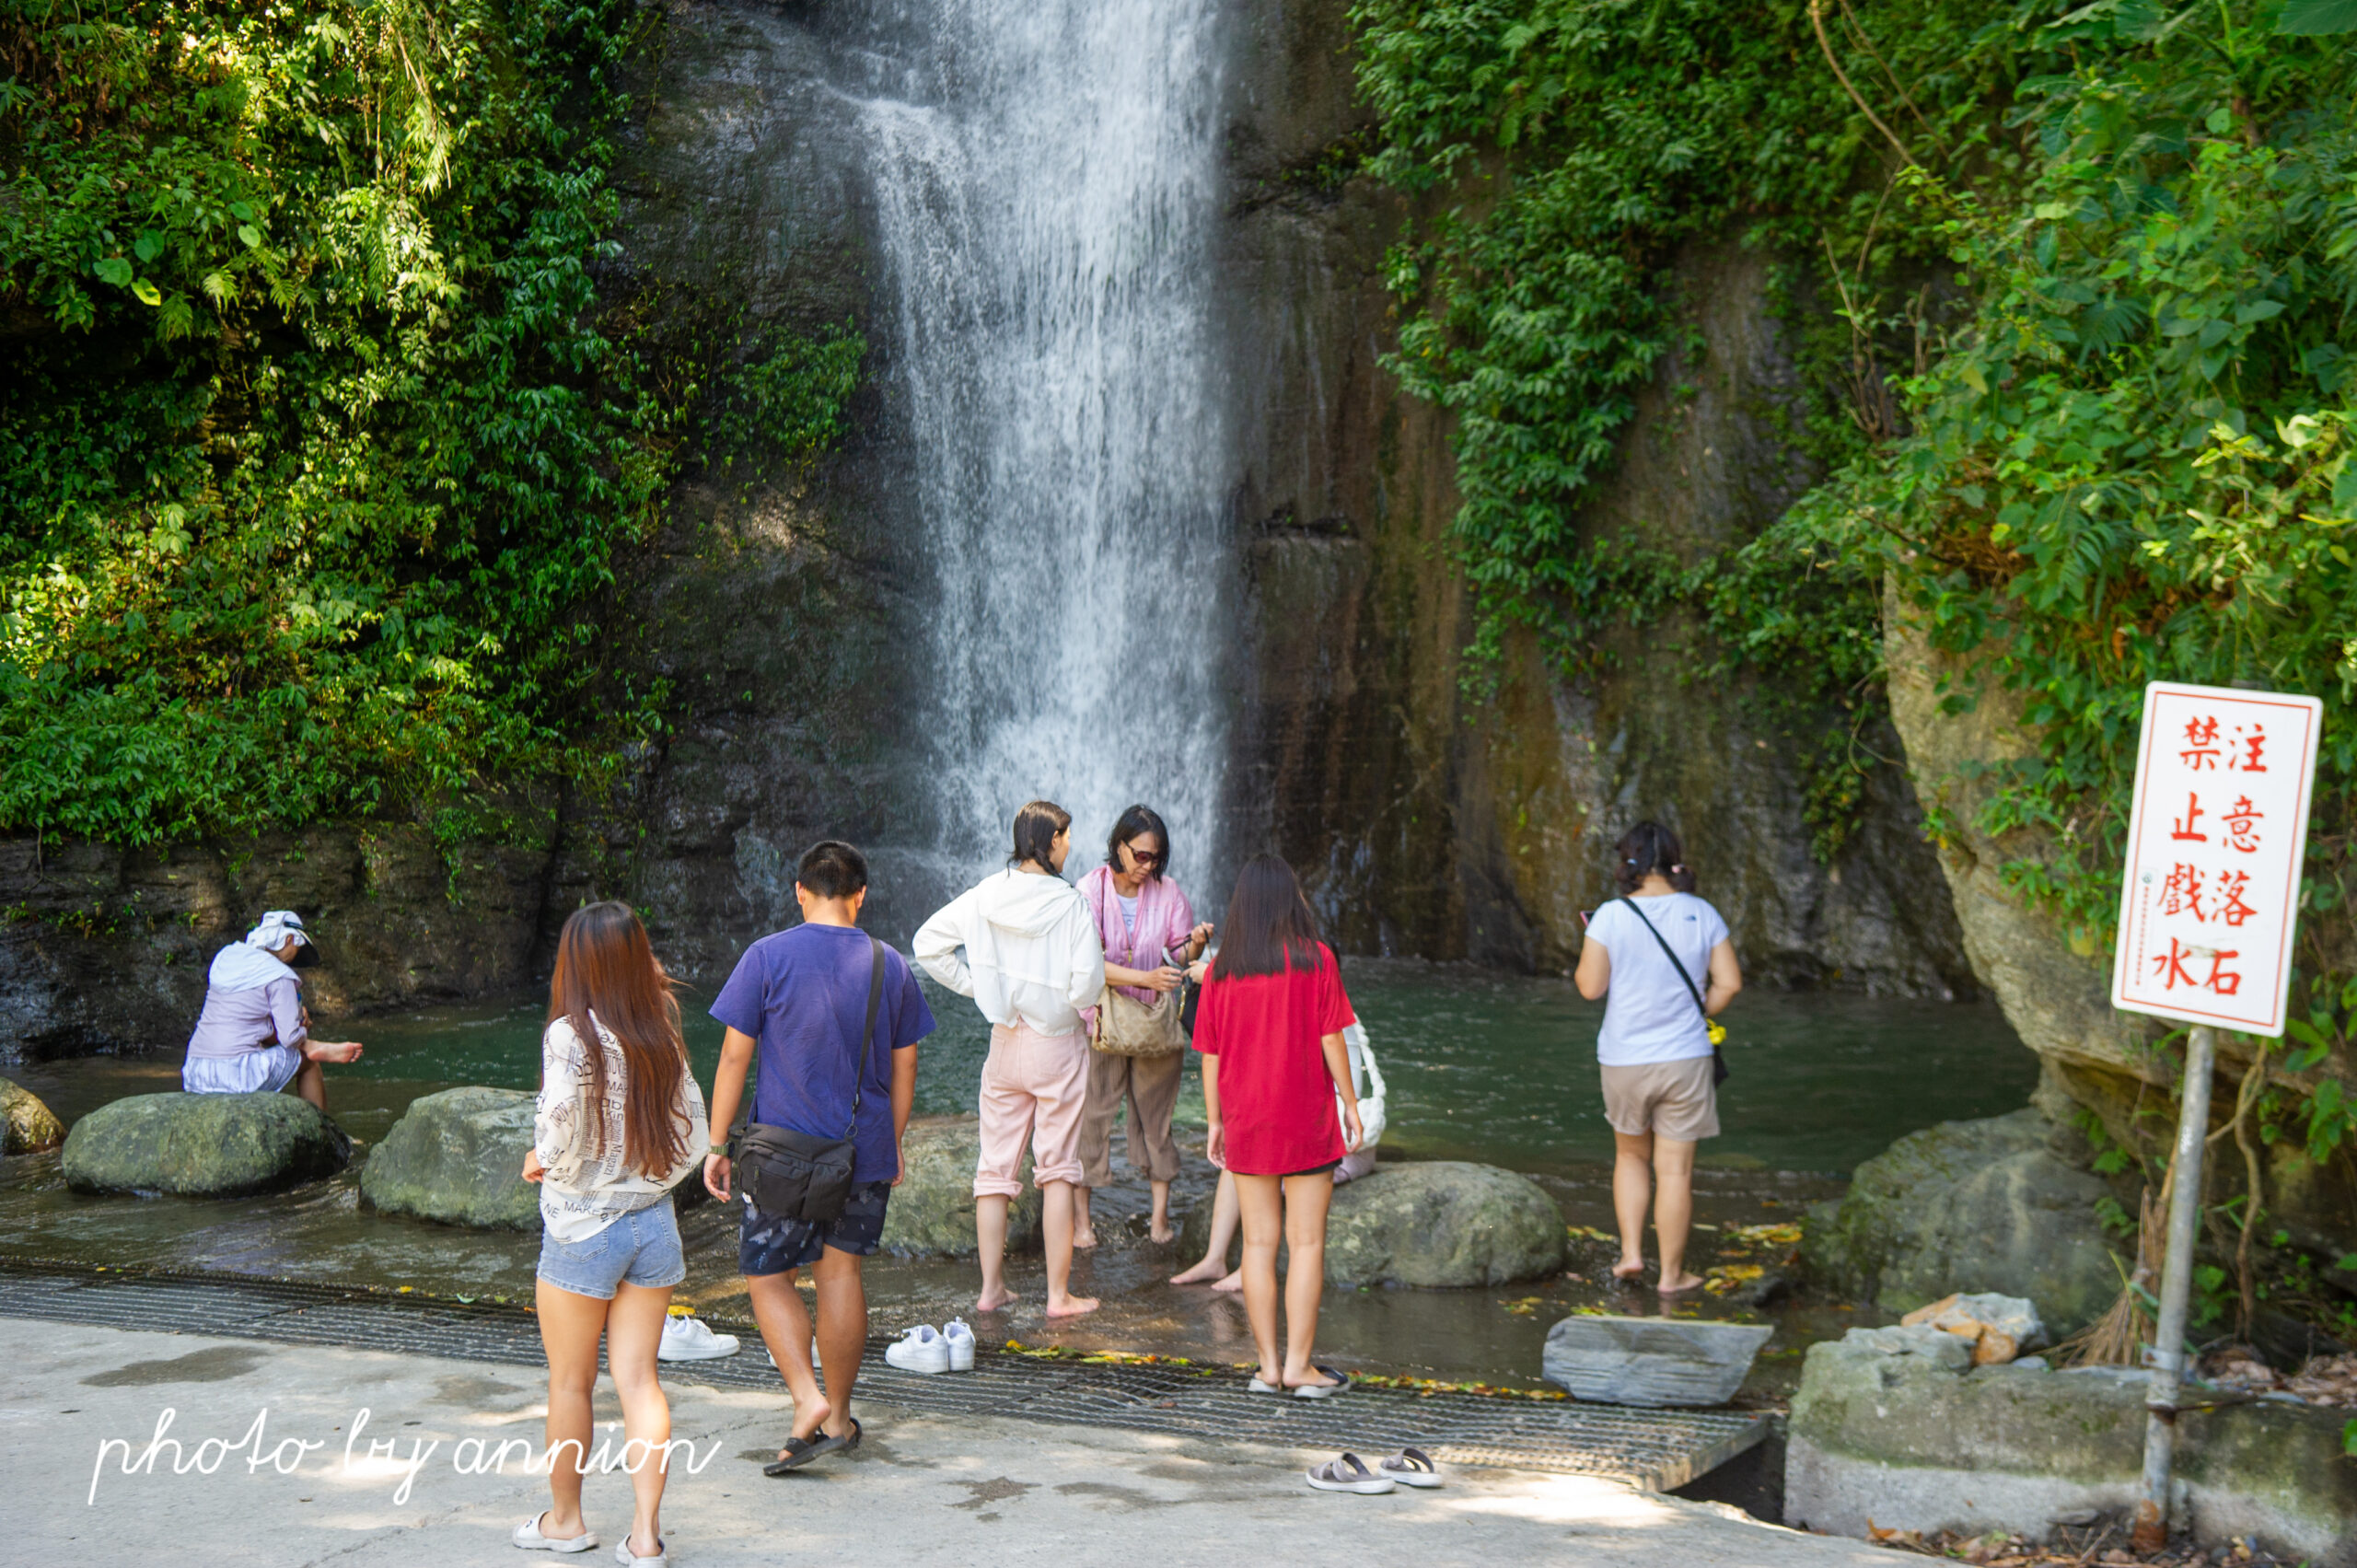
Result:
[{"x": 1046, "y": 177}]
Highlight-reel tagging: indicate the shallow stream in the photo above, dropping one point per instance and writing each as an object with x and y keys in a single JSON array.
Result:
[{"x": 1481, "y": 1066}]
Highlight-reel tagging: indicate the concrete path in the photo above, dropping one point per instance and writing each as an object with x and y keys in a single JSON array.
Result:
[{"x": 922, "y": 1490}]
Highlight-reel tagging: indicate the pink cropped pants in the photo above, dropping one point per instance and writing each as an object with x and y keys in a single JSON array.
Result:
[{"x": 1032, "y": 1084}]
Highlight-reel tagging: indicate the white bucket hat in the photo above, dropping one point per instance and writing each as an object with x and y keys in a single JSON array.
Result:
[{"x": 276, "y": 926}]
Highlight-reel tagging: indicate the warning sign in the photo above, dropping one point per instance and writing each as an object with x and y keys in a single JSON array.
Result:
[{"x": 2214, "y": 844}]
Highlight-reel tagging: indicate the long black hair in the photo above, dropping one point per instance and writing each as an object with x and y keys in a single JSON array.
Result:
[
  {"x": 1644, "y": 849},
  {"x": 1135, "y": 823},
  {"x": 1270, "y": 926},
  {"x": 1036, "y": 827}
]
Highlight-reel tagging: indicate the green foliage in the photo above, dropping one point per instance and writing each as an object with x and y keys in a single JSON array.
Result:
[
  {"x": 782, "y": 410},
  {"x": 2134, "y": 464},
  {"x": 313, "y": 453},
  {"x": 1586, "y": 145}
]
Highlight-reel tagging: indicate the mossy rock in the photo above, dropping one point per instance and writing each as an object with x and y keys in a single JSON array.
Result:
[
  {"x": 1427, "y": 1223},
  {"x": 26, "y": 1124},
  {"x": 933, "y": 1209},
  {"x": 203, "y": 1145},
  {"x": 457, "y": 1157},
  {"x": 1984, "y": 1205}
]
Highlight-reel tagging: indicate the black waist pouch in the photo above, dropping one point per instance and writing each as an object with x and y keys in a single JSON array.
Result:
[
  {"x": 801, "y": 1176},
  {"x": 796, "y": 1176}
]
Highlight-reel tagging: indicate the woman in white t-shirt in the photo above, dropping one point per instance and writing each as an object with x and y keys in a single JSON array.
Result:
[{"x": 1661, "y": 958}]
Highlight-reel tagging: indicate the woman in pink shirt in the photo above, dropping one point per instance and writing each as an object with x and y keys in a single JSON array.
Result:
[{"x": 1150, "y": 936}]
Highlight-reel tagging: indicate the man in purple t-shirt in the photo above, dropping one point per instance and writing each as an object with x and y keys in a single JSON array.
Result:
[{"x": 799, "y": 997}]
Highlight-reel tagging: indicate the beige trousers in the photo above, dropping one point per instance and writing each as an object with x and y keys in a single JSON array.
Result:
[{"x": 1151, "y": 1086}]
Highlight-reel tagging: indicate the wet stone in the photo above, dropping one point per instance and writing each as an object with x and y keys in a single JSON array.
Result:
[
  {"x": 26, "y": 1124},
  {"x": 1652, "y": 1361},
  {"x": 203, "y": 1145},
  {"x": 457, "y": 1157}
]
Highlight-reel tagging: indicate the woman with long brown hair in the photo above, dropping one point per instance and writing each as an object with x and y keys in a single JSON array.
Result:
[
  {"x": 1283, "y": 1109},
  {"x": 620, "y": 1123}
]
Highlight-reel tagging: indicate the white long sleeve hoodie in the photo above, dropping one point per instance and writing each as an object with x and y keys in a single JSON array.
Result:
[{"x": 1031, "y": 950}]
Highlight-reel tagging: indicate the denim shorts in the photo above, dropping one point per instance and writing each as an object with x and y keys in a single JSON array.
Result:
[
  {"x": 768, "y": 1244},
  {"x": 640, "y": 1247}
]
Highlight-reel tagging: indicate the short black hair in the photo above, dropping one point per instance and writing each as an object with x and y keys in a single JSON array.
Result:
[
  {"x": 832, "y": 870},
  {"x": 1036, "y": 827},
  {"x": 1135, "y": 823},
  {"x": 1644, "y": 849}
]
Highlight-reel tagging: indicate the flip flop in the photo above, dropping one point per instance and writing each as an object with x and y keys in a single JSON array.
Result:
[
  {"x": 1260, "y": 1386},
  {"x": 1409, "y": 1467},
  {"x": 1340, "y": 1384},
  {"x": 1349, "y": 1473},
  {"x": 800, "y": 1451}
]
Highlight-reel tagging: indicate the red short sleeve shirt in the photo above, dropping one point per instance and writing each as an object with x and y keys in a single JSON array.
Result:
[{"x": 1276, "y": 1097}]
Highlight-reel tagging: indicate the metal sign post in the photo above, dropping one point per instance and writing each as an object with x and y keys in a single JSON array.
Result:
[{"x": 2207, "y": 907}]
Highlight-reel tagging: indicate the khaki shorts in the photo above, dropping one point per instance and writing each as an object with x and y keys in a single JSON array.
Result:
[{"x": 1675, "y": 1099}]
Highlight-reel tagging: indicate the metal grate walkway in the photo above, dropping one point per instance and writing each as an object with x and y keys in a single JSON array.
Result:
[{"x": 1656, "y": 1449}]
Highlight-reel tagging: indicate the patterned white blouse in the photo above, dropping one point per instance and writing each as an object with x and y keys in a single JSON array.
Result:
[{"x": 583, "y": 1191}]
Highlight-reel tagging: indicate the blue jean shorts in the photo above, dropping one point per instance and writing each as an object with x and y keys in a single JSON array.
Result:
[{"x": 640, "y": 1247}]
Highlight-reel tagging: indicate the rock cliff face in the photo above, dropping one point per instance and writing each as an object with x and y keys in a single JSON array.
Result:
[
  {"x": 1451, "y": 826},
  {"x": 780, "y": 616}
]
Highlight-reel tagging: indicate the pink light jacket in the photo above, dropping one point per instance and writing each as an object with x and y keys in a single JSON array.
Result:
[{"x": 1165, "y": 919}]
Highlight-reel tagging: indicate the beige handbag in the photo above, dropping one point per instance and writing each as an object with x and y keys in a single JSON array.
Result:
[{"x": 1126, "y": 1028}]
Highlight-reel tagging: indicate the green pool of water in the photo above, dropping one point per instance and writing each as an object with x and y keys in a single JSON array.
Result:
[
  {"x": 1481, "y": 1067},
  {"x": 1486, "y": 1066}
]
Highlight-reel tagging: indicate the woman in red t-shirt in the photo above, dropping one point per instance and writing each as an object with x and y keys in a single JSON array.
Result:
[{"x": 1270, "y": 1027}]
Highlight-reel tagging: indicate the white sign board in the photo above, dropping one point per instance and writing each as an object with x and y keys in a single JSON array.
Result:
[{"x": 2214, "y": 844}]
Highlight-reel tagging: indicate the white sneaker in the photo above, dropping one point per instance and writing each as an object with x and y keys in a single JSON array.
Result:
[
  {"x": 691, "y": 1339},
  {"x": 960, "y": 1340},
  {"x": 922, "y": 1349}
]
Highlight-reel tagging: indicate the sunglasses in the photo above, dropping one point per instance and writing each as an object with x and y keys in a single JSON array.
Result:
[{"x": 1144, "y": 856}]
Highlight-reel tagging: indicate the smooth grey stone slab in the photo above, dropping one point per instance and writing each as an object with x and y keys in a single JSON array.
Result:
[{"x": 1652, "y": 1361}]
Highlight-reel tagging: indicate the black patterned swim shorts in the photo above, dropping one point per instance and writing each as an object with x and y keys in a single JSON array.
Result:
[{"x": 770, "y": 1245}]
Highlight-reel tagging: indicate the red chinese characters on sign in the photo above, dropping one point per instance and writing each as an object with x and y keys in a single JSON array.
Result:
[{"x": 2214, "y": 849}]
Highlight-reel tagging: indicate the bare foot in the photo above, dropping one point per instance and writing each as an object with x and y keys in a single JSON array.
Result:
[
  {"x": 1071, "y": 1305},
  {"x": 1312, "y": 1378},
  {"x": 1082, "y": 1240},
  {"x": 1162, "y": 1235},
  {"x": 986, "y": 1302},
  {"x": 1628, "y": 1269},
  {"x": 808, "y": 1420},
  {"x": 1230, "y": 1283},
  {"x": 332, "y": 1051},
  {"x": 1680, "y": 1285},
  {"x": 1202, "y": 1273}
]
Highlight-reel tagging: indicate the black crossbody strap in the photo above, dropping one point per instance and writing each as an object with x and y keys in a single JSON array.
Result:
[
  {"x": 867, "y": 1036},
  {"x": 859, "y": 1073},
  {"x": 1671, "y": 955}
]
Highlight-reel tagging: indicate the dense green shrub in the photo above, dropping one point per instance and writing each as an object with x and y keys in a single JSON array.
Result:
[
  {"x": 312, "y": 448},
  {"x": 2118, "y": 452}
]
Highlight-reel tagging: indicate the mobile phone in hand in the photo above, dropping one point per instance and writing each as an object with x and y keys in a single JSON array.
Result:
[{"x": 1585, "y": 915}]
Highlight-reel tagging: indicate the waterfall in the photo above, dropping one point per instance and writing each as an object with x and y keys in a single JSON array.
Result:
[{"x": 1046, "y": 183}]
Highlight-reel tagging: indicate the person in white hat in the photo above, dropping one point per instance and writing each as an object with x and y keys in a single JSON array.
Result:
[{"x": 254, "y": 1036}]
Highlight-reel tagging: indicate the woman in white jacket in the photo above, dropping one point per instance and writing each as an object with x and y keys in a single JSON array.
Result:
[{"x": 1031, "y": 961}]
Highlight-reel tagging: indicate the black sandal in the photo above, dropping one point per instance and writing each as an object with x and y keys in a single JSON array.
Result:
[{"x": 800, "y": 1451}]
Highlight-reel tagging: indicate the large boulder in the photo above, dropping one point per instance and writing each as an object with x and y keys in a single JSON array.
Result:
[
  {"x": 1442, "y": 1222},
  {"x": 458, "y": 1156},
  {"x": 1968, "y": 1206},
  {"x": 933, "y": 1209},
  {"x": 26, "y": 1124},
  {"x": 1425, "y": 1223},
  {"x": 1895, "y": 1429},
  {"x": 203, "y": 1145}
]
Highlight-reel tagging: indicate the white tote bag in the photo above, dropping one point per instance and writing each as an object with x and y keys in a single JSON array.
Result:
[{"x": 1367, "y": 1079}]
